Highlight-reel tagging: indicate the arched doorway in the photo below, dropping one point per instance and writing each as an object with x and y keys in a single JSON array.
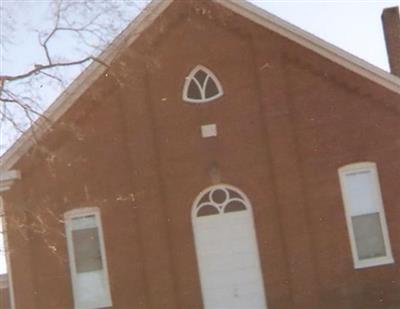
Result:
[{"x": 226, "y": 250}]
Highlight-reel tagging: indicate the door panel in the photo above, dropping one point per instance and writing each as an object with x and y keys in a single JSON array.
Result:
[{"x": 228, "y": 261}]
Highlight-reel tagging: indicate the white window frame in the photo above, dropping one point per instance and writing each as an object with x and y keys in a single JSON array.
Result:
[
  {"x": 368, "y": 167},
  {"x": 68, "y": 216},
  {"x": 7, "y": 254},
  {"x": 190, "y": 77}
]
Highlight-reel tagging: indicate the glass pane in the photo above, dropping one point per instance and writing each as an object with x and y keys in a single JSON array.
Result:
[
  {"x": 368, "y": 236},
  {"x": 234, "y": 194},
  {"x": 211, "y": 88},
  {"x": 201, "y": 77},
  {"x": 361, "y": 193},
  {"x": 83, "y": 222},
  {"x": 87, "y": 250},
  {"x": 234, "y": 206},
  {"x": 193, "y": 91},
  {"x": 219, "y": 196},
  {"x": 207, "y": 210}
]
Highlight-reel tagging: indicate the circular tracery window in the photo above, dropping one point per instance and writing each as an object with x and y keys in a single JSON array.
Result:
[{"x": 219, "y": 200}]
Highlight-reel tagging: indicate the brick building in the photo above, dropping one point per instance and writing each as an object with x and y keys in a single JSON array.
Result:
[{"x": 223, "y": 159}]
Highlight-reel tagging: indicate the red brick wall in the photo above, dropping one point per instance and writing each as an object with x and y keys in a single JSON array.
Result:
[{"x": 287, "y": 121}]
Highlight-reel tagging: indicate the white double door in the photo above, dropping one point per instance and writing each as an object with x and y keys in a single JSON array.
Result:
[{"x": 228, "y": 261}]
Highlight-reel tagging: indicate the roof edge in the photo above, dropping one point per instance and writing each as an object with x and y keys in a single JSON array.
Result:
[
  {"x": 85, "y": 79},
  {"x": 143, "y": 20},
  {"x": 310, "y": 41}
]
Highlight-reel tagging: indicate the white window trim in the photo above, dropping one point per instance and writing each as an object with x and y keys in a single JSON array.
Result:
[
  {"x": 76, "y": 213},
  {"x": 7, "y": 255},
  {"x": 370, "y": 167},
  {"x": 190, "y": 77}
]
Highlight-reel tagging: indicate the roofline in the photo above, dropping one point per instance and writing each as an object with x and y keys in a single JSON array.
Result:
[
  {"x": 82, "y": 83},
  {"x": 306, "y": 39},
  {"x": 144, "y": 19}
]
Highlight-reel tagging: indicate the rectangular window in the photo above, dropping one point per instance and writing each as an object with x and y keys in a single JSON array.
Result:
[
  {"x": 87, "y": 259},
  {"x": 365, "y": 215}
]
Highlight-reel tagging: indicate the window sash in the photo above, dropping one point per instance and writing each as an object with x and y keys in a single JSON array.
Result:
[
  {"x": 87, "y": 250},
  {"x": 88, "y": 266},
  {"x": 365, "y": 216},
  {"x": 368, "y": 236}
]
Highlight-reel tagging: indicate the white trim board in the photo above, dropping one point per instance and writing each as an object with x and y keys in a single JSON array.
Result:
[
  {"x": 7, "y": 178},
  {"x": 9, "y": 273},
  {"x": 147, "y": 16}
]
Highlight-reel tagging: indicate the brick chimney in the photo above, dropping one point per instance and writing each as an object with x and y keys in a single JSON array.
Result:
[{"x": 391, "y": 28}]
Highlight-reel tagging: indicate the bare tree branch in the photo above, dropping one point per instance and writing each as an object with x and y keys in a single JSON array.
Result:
[
  {"x": 91, "y": 25},
  {"x": 40, "y": 67}
]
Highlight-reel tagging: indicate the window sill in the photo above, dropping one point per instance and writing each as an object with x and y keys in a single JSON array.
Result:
[{"x": 373, "y": 262}]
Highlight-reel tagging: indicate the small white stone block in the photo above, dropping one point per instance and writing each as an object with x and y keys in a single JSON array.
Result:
[{"x": 208, "y": 130}]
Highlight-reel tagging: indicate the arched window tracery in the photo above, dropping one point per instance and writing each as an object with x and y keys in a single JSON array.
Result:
[
  {"x": 220, "y": 200},
  {"x": 201, "y": 86}
]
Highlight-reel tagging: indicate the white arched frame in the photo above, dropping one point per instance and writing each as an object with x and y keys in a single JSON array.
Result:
[
  {"x": 201, "y": 86},
  {"x": 226, "y": 249}
]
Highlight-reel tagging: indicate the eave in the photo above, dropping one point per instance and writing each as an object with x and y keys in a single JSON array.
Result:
[{"x": 145, "y": 19}]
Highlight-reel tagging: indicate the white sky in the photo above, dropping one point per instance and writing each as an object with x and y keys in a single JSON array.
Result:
[{"x": 354, "y": 26}]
